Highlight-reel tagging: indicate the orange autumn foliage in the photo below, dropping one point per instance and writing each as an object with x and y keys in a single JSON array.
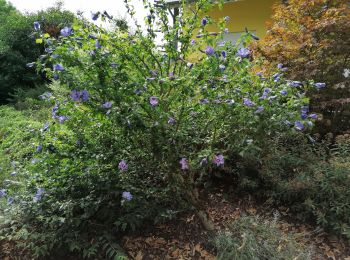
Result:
[{"x": 312, "y": 39}]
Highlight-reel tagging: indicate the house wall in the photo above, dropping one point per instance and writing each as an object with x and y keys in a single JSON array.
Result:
[{"x": 252, "y": 14}]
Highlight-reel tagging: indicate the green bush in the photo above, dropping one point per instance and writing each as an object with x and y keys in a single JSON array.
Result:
[
  {"x": 134, "y": 125},
  {"x": 312, "y": 180},
  {"x": 252, "y": 238}
]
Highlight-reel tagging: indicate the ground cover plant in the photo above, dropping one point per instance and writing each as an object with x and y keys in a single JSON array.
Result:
[{"x": 135, "y": 128}]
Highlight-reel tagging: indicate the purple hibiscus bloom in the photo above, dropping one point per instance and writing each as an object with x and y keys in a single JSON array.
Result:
[
  {"x": 10, "y": 200},
  {"x": 283, "y": 92},
  {"x": 248, "y": 102},
  {"x": 62, "y": 119},
  {"x": 243, "y": 53},
  {"x": 153, "y": 101},
  {"x": 184, "y": 164},
  {"x": 94, "y": 16},
  {"x": 295, "y": 84},
  {"x": 219, "y": 160},
  {"x": 66, "y": 31},
  {"x": 209, "y": 51},
  {"x": 299, "y": 126},
  {"x": 39, "y": 194},
  {"x": 84, "y": 95},
  {"x": 39, "y": 148},
  {"x": 98, "y": 44},
  {"x": 107, "y": 105},
  {"x": 123, "y": 166},
  {"x": 313, "y": 116},
  {"x": 58, "y": 67},
  {"x": 36, "y": 26},
  {"x": 259, "y": 110},
  {"x": 75, "y": 95},
  {"x": 171, "y": 121},
  {"x": 223, "y": 54},
  {"x": 127, "y": 195},
  {"x": 2, "y": 193},
  {"x": 320, "y": 85},
  {"x": 204, "y": 21},
  {"x": 204, "y": 101}
]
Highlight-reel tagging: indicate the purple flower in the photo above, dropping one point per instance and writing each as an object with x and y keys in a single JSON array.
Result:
[
  {"x": 171, "y": 121},
  {"x": 39, "y": 148},
  {"x": 313, "y": 116},
  {"x": 243, "y": 53},
  {"x": 154, "y": 73},
  {"x": 320, "y": 85},
  {"x": 62, "y": 119},
  {"x": 107, "y": 105},
  {"x": 299, "y": 125},
  {"x": 66, "y": 31},
  {"x": 227, "y": 18},
  {"x": 219, "y": 160},
  {"x": 10, "y": 200},
  {"x": 39, "y": 194},
  {"x": 94, "y": 16},
  {"x": 123, "y": 166},
  {"x": 259, "y": 110},
  {"x": 36, "y": 26},
  {"x": 279, "y": 65},
  {"x": 209, "y": 51},
  {"x": 46, "y": 125},
  {"x": 226, "y": 31},
  {"x": 193, "y": 42},
  {"x": 204, "y": 21},
  {"x": 13, "y": 174},
  {"x": 2, "y": 193},
  {"x": 248, "y": 102},
  {"x": 75, "y": 95},
  {"x": 295, "y": 84},
  {"x": 98, "y": 44},
  {"x": 56, "y": 77},
  {"x": 283, "y": 92},
  {"x": 184, "y": 164},
  {"x": 58, "y": 67},
  {"x": 259, "y": 74},
  {"x": 84, "y": 95},
  {"x": 305, "y": 109},
  {"x": 54, "y": 114},
  {"x": 204, "y": 101},
  {"x": 222, "y": 67},
  {"x": 224, "y": 54},
  {"x": 153, "y": 101},
  {"x": 127, "y": 195}
]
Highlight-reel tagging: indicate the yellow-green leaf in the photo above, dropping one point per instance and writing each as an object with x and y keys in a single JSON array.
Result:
[
  {"x": 39, "y": 41},
  {"x": 46, "y": 35}
]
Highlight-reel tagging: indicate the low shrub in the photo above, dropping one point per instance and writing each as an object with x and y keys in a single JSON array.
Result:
[{"x": 312, "y": 180}]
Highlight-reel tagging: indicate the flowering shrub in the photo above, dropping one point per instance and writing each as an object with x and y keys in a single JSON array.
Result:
[{"x": 134, "y": 124}]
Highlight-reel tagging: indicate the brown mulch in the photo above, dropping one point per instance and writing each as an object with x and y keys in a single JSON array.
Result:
[{"x": 184, "y": 238}]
